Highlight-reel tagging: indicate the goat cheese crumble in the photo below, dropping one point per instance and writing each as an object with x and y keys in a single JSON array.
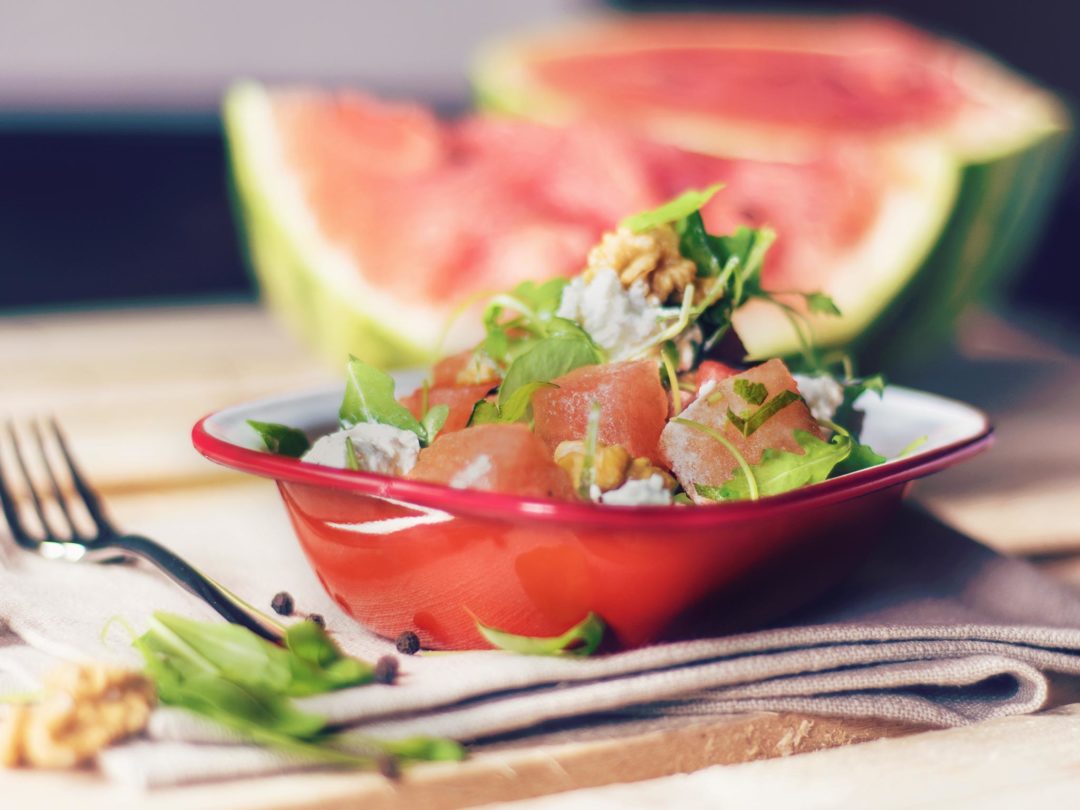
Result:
[
  {"x": 649, "y": 491},
  {"x": 379, "y": 448},
  {"x": 617, "y": 319},
  {"x": 823, "y": 395}
]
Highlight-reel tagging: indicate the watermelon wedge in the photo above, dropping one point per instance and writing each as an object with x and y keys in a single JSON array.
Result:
[
  {"x": 369, "y": 224},
  {"x": 787, "y": 88}
]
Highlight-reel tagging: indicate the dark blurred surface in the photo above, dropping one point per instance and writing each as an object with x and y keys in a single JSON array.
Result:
[{"x": 119, "y": 210}]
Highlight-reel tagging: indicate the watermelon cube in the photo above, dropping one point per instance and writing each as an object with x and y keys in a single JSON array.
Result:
[
  {"x": 496, "y": 457},
  {"x": 459, "y": 398},
  {"x": 633, "y": 406},
  {"x": 697, "y": 458}
]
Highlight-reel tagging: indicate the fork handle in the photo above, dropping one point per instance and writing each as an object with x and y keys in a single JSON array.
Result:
[{"x": 220, "y": 598}]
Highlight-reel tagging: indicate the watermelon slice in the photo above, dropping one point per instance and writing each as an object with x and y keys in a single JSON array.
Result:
[
  {"x": 787, "y": 88},
  {"x": 369, "y": 224}
]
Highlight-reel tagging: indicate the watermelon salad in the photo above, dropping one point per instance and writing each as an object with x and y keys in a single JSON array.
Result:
[{"x": 626, "y": 384}]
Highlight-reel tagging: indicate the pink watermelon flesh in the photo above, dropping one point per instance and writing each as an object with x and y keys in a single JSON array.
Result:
[
  {"x": 499, "y": 458},
  {"x": 633, "y": 406},
  {"x": 859, "y": 74},
  {"x": 696, "y": 458},
  {"x": 460, "y": 399},
  {"x": 434, "y": 211}
]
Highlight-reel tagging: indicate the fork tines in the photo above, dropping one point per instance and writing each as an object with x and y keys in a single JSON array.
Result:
[{"x": 53, "y": 491}]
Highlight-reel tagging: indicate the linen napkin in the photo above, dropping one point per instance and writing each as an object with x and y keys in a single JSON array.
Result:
[{"x": 934, "y": 630}]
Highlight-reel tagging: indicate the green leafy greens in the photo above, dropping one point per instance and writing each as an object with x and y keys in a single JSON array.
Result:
[
  {"x": 782, "y": 471},
  {"x": 684, "y": 205},
  {"x": 580, "y": 640},
  {"x": 369, "y": 397},
  {"x": 281, "y": 439},
  {"x": 545, "y": 360},
  {"x": 228, "y": 674}
]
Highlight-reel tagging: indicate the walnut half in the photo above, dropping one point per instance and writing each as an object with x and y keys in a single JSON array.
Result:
[
  {"x": 85, "y": 708},
  {"x": 651, "y": 257}
]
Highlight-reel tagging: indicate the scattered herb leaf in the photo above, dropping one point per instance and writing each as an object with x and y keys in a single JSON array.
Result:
[
  {"x": 748, "y": 424},
  {"x": 753, "y": 392},
  {"x": 580, "y": 640},
  {"x": 913, "y": 446},
  {"x": 684, "y": 205},
  {"x": 281, "y": 439},
  {"x": 588, "y": 462}
]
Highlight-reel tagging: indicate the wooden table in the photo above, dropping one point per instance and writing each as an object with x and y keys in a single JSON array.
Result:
[{"x": 129, "y": 384}]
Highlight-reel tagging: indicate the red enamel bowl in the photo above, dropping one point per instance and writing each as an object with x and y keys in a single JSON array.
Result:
[{"x": 400, "y": 555}]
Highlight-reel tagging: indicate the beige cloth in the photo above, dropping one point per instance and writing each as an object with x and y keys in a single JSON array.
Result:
[{"x": 934, "y": 629}]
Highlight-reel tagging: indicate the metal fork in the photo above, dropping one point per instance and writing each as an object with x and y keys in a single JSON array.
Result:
[{"x": 108, "y": 544}]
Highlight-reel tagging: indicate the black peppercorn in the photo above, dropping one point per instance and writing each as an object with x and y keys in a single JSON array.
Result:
[
  {"x": 388, "y": 766},
  {"x": 386, "y": 669},
  {"x": 316, "y": 618},
  {"x": 408, "y": 643},
  {"x": 282, "y": 603}
]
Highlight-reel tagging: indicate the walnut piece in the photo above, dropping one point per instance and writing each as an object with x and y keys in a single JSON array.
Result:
[
  {"x": 610, "y": 463},
  {"x": 85, "y": 708},
  {"x": 651, "y": 257}
]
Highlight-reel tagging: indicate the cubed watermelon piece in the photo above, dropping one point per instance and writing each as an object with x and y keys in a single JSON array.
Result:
[
  {"x": 697, "y": 458},
  {"x": 633, "y": 406},
  {"x": 494, "y": 457},
  {"x": 459, "y": 398}
]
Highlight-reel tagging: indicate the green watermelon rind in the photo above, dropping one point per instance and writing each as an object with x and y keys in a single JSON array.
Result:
[
  {"x": 1003, "y": 193},
  {"x": 339, "y": 314}
]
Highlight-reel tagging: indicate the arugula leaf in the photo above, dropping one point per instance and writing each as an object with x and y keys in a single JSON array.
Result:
[
  {"x": 782, "y": 471},
  {"x": 687, "y": 203},
  {"x": 581, "y": 640},
  {"x": 862, "y": 457},
  {"x": 433, "y": 421},
  {"x": 547, "y": 359},
  {"x": 518, "y": 404},
  {"x": 752, "y": 392},
  {"x": 821, "y": 303},
  {"x": 229, "y": 675},
  {"x": 281, "y": 439},
  {"x": 669, "y": 364},
  {"x": 484, "y": 413},
  {"x": 369, "y": 397},
  {"x": 352, "y": 460}
]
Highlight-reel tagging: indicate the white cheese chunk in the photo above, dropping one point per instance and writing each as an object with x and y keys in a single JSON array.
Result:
[
  {"x": 823, "y": 395},
  {"x": 379, "y": 448},
  {"x": 649, "y": 491},
  {"x": 617, "y": 319}
]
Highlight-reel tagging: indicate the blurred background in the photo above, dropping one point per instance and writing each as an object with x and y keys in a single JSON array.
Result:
[{"x": 112, "y": 167}]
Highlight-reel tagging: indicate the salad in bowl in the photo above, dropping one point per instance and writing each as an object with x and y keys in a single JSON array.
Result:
[{"x": 623, "y": 386}]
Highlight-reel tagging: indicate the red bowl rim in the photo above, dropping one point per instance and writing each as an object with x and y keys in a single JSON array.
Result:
[{"x": 495, "y": 505}]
